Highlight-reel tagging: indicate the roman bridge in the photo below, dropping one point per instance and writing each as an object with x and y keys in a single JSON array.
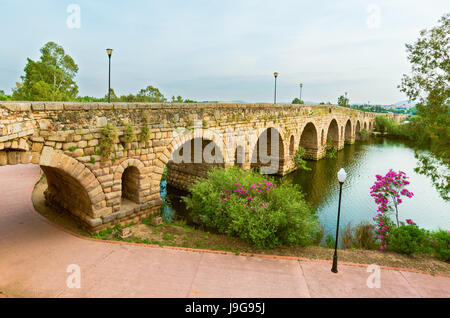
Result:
[{"x": 103, "y": 188}]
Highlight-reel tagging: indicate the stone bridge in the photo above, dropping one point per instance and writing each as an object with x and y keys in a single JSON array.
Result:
[{"x": 101, "y": 191}]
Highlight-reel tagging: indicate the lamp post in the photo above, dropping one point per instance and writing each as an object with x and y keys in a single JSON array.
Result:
[
  {"x": 301, "y": 86},
  {"x": 109, "y": 52},
  {"x": 342, "y": 175},
  {"x": 275, "y": 94}
]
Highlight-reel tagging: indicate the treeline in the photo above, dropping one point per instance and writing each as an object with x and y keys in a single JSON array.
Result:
[{"x": 52, "y": 78}]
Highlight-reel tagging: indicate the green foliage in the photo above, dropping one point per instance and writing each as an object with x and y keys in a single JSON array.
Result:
[
  {"x": 129, "y": 134},
  {"x": 428, "y": 84},
  {"x": 331, "y": 150},
  {"x": 145, "y": 134},
  {"x": 73, "y": 148},
  {"x": 390, "y": 126},
  {"x": 343, "y": 100},
  {"x": 250, "y": 206},
  {"x": 439, "y": 242},
  {"x": 180, "y": 99},
  {"x": 298, "y": 158},
  {"x": 50, "y": 78},
  {"x": 92, "y": 160},
  {"x": 364, "y": 132},
  {"x": 407, "y": 238},
  {"x": 107, "y": 141},
  {"x": 297, "y": 101},
  {"x": 330, "y": 242},
  {"x": 361, "y": 236}
]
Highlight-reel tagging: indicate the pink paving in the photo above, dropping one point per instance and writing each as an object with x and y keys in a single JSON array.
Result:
[{"x": 34, "y": 256}]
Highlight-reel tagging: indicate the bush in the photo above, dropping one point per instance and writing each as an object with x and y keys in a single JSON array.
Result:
[
  {"x": 440, "y": 244},
  {"x": 251, "y": 206},
  {"x": 361, "y": 236},
  {"x": 129, "y": 135},
  {"x": 407, "y": 238},
  {"x": 330, "y": 242},
  {"x": 298, "y": 159},
  {"x": 390, "y": 126},
  {"x": 145, "y": 134}
]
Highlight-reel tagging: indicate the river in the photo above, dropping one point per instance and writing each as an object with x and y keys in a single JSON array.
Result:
[{"x": 362, "y": 161}]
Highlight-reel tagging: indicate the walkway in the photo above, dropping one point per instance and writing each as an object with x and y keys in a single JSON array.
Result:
[{"x": 34, "y": 256}]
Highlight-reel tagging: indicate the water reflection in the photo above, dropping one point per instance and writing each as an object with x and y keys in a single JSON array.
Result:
[{"x": 362, "y": 161}]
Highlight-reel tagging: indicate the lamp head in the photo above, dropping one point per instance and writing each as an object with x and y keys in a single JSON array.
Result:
[
  {"x": 109, "y": 52},
  {"x": 275, "y": 74},
  {"x": 342, "y": 175}
]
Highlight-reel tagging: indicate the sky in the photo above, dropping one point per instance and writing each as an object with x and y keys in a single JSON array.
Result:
[{"x": 224, "y": 50}]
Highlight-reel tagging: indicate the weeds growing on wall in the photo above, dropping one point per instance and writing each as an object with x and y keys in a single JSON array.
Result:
[
  {"x": 129, "y": 134},
  {"x": 145, "y": 134},
  {"x": 107, "y": 141},
  {"x": 298, "y": 159}
]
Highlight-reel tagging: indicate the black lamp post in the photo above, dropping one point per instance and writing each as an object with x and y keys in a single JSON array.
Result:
[
  {"x": 301, "y": 86},
  {"x": 275, "y": 95},
  {"x": 109, "y": 52},
  {"x": 342, "y": 175}
]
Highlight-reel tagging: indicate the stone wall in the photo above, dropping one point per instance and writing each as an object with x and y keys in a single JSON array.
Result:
[{"x": 63, "y": 138}]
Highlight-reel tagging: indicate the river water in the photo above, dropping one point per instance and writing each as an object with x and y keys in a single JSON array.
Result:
[{"x": 362, "y": 161}]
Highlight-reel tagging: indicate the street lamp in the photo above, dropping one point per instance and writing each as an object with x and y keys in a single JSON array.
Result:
[
  {"x": 109, "y": 52},
  {"x": 275, "y": 95},
  {"x": 301, "y": 86},
  {"x": 342, "y": 175}
]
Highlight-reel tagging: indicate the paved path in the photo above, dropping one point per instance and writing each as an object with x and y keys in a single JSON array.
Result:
[{"x": 34, "y": 256}]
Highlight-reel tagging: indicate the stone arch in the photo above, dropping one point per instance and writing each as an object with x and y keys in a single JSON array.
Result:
[
  {"x": 348, "y": 131},
  {"x": 333, "y": 132},
  {"x": 322, "y": 138},
  {"x": 72, "y": 186},
  {"x": 309, "y": 141},
  {"x": 365, "y": 125},
  {"x": 129, "y": 176},
  {"x": 358, "y": 130},
  {"x": 262, "y": 155},
  {"x": 182, "y": 174},
  {"x": 370, "y": 126}
]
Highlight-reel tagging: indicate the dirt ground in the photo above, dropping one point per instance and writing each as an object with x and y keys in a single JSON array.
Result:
[{"x": 179, "y": 234}]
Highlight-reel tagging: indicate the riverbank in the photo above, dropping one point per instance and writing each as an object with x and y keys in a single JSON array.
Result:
[{"x": 181, "y": 235}]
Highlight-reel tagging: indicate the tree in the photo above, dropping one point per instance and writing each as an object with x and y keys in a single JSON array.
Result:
[
  {"x": 150, "y": 94},
  {"x": 343, "y": 100},
  {"x": 297, "y": 101},
  {"x": 50, "y": 78},
  {"x": 428, "y": 84}
]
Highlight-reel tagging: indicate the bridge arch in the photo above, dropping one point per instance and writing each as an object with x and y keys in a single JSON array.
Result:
[
  {"x": 129, "y": 177},
  {"x": 262, "y": 154},
  {"x": 309, "y": 141},
  {"x": 333, "y": 133},
  {"x": 292, "y": 146}
]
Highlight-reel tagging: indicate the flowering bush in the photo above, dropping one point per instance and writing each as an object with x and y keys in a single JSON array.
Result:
[
  {"x": 251, "y": 206},
  {"x": 387, "y": 192}
]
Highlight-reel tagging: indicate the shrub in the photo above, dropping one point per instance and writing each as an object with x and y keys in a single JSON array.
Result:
[
  {"x": 390, "y": 126},
  {"x": 107, "y": 141},
  {"x": 251, "y": 206},
  {"x": 361, "y": 236},
  {"x": 330, "y": 242},
  {"x": 298, "y": 159},
  {"x": 330, "y": 149},
  {"x": 407, "y": 238},
  {"x": 440, "y": 244}
]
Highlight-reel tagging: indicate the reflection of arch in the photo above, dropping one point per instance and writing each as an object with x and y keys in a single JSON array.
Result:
[
  {"x": 365, "y": 126},
  {"x": 308, "y": 140},
  {"x": 333, "y": 132},
  {"x": 264, "y": 152},
  {"x": 370, "y": 126},
  {"x": 358, "y": 130},
  {"x": 291, "y": 146},
  {"x": 348, "y": 131},
  {"x": 129, "y": 175},
  {"x": 71, "y": 184}
]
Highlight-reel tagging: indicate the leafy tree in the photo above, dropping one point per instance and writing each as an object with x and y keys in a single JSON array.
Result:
[
  {"x": 180, "y": 99},
  {"x": 428, "y": 84},
  {"x": 150, "y": 94},
  {"x": 343, "y": 100},
  {"x": 50, "y": 78},
  {"x": 297, "y": 101}
]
